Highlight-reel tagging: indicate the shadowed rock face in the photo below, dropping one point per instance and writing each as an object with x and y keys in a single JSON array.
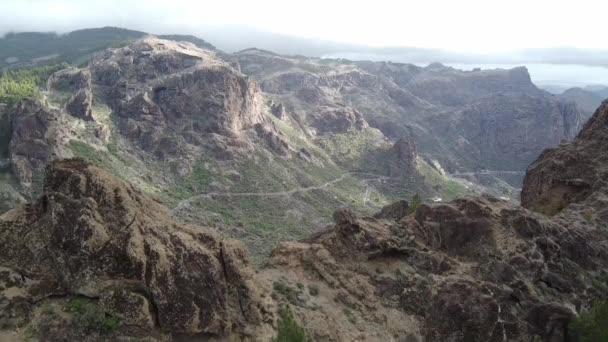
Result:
[
  {"x": 93, "y": 235},
  {"x": 403, "y": 159},
  {"x": 572, "y": 173},
  {"x": 507, "y": 131},
  {"x": 490, "y": 119},
  {"x": 77, "y": 83},
  {"x": 34, "y": 140}
]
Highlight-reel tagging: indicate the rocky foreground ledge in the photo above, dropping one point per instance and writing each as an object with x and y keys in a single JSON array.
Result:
[
  {"x": 94, "y": 237},
  {"x": 476, "y": 269}
]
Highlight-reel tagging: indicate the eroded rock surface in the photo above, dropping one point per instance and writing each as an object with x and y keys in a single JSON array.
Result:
[
  {"x": 35, "y": 140},
  {"x": 93, "y": 235},
  {"x": 476, "y": 269},
  {"x": 169, "y": 96},
  {"x": 571, "y": 173}
]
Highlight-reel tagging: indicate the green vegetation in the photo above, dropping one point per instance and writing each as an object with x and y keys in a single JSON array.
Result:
[
  {"x": 289, "y": 329},
  {"x": 35, "y": 48},
  {"x": 91, "y": 317},
  {"x": 449, "y": 189},
  {"x": 48, "y": 48},
  {"x": 288, "y": 292},
  {"x": 416, "y": 201},
  {"x": 359, "y": 150},
  {"x": 592, "y": 326},
  {"x": 24, "y": 83}
]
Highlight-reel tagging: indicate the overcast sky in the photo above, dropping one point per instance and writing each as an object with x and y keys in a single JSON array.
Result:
[{"x": 477, "y": 26}]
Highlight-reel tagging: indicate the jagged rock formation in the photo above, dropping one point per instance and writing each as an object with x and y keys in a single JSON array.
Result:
[
  {"x": 572, "y": 173},
  {"x": 440, "y": 108},
  {"x": 35, "y": 140},
  {"x": 170, "y": 95},
  {"x": 337, "y": 120},
  {"x": 403, "y": 159},
  {"x": 476, "y": 269},
  {"x": 93, "y": 235},
  {"x": 78, "y": 83}
]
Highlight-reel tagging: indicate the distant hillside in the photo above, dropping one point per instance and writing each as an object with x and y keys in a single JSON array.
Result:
[
  {"x": 35, "y": 48},
  {"x": 587, "y": 101}
]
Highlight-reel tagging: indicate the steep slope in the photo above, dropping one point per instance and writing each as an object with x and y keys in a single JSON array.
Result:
[
  {"x": 573, "y": 173},
  {"x": 586, "y": 100},
  {"x": 187, "y": 127},
  {"x": 94, "y": 239},
  {"x": 476, "y": 269},
  {"x": 449, "y": 113}
]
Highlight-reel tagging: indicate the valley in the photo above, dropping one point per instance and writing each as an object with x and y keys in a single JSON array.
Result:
[{"x": 156, "y": 188}]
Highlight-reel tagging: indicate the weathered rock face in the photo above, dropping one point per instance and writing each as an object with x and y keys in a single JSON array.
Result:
[
  {"x": 168, "y": 93},
  {"x": 475, "y": 269},
  {"x": 587, "y": 101},
  {"x": 278, "y": 110},
  {"x": 507, "y": 131},
  {"x": 571, "y": 173},
  {"x": 78, "y": 83},
  {"x": 403, "y": 160},
  {"x": 467, "y": 120},
  {"x": 93, "y": 235},
  {"x": 337, "y": 120},
  {"x": 34, "y": 140}
]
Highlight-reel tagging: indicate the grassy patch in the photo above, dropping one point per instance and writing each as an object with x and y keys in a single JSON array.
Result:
[
  {"x": 90, "y": 317},
  {"x": 592, "y": 326},
  {"x": 289, "y": 329}
]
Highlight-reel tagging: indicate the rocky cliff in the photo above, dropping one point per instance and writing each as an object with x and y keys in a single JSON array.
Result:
[
  {"x": 95, "y": 237},
  {"x": 452, "y": 115},
  {"x": 571, "y": 173}
]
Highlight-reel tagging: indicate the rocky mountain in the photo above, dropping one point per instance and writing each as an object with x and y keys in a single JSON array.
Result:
[
  {"x": 586, "y": 100},
  {"x": 185, "y": 126},
  {"x": 452, "y": 115},
  {"x": 179, "y": 147},
  {"x": 95, "y": 243},
  {"x": 100, "y": 260}
]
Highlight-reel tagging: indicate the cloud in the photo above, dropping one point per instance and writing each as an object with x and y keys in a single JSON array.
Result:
[{"x": 466, "y": 26}]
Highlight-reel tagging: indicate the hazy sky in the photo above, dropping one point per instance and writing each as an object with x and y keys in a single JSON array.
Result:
[{"x": 465, "y": 25}]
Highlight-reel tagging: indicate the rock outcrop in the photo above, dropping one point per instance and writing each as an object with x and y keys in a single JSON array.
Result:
[
  {"x": 337, "y": 120},
  {"x": 34, "y": 140},
  {"x": 476, "y": 269},
  {"x": 93, "y": 235},
  {"x": 78, "y": 83},
  {"x": 571, "y": 173},
  {"x": 507, "y": 131},
  {"x": 169, "y": 96},
  {"x": 403, "y": 159},
  {"x": 467, "y": 120}
]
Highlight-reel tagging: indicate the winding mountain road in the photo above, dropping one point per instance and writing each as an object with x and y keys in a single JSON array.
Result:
[
  {"x": 487, "y": 172},
  {"x": 186, "y": 202}
]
